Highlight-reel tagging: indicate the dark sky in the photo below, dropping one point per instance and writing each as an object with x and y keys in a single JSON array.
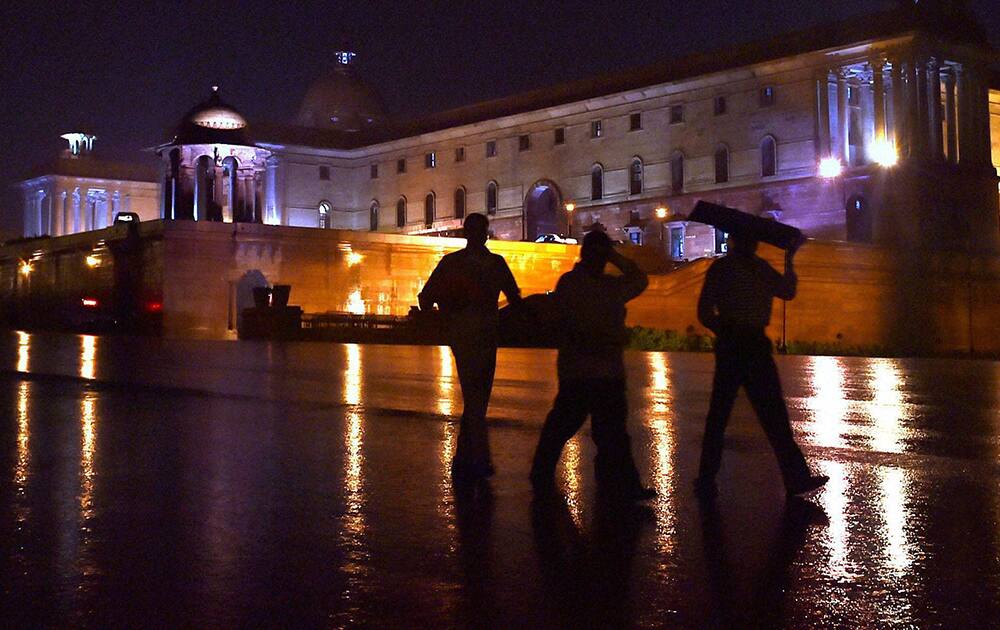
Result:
[{"x": 127, "y": 71}]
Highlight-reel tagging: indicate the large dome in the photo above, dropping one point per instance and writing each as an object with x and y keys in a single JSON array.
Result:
[
  {"x": 341, "y": 100},
  {"x": 211, "y": 122}
]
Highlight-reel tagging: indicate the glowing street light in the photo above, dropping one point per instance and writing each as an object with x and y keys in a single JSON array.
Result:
[
  {"x": 92, "y": 261},
  {"x": 830, "y": 167},
  {"x": 25, "y": 268},
  {"x": 570, "y": 207},
  {"x": 883, "y": 152},
  {"x": 661, "y": 212}
]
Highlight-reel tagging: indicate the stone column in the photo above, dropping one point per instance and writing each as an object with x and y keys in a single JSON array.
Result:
[
  {"x": 77, "y": 203},
  {"x": 898, "y": 107},
  {"x": 823, "y": 122},
  {"x": 59, "y": 216},
  {"x": 878, "y": 90},
  {"x": 934, "y": 109},
  {"x": 951, "y": 135},
  {"x": 271, "y": 191},
  {"x": 843, "y": 119},
  {"x": 114, "y": 207},
  {"x": 918, "y": 115},
  {"x": 966, "y": 130}
]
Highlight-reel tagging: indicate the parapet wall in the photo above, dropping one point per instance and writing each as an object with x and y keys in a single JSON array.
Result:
[{"x": 202, "y": 274}]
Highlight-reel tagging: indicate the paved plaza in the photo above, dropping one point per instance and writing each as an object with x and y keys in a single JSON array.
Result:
[{"x": 154, "y": 483}]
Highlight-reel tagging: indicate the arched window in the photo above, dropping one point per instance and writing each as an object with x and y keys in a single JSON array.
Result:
[
  {"x": 460, "y": 203},
  {"x": 635, "y": 177},
  {"x": 491, "y": 198},
  {"x": 324, "y": 214},
  {"x": 721, "y": 165},
  {"x": 401, "y": 212},
  {"x": 596, "y": 181},
  {"x": 677, "y": 172},
  {"x": 373, "y": 216},
  {"x": 429, "y": 209},
  {"x": 768, "y": 157}
]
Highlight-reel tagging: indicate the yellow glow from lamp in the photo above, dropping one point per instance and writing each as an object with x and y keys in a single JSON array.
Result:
[
  {"x": 353, "y": 258},
  {"x": 830, "y": 167},
  {"x": 883, "y": 152},
  {"x": 570, "y": 206},
  {"x": 661, "y": 212},
  {"x": 92, "y": 261},
  {"x": 25, "y": 268}
]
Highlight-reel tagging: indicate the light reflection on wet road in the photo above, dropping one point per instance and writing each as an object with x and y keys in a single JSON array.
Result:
[{"x": 307, "y": 484}]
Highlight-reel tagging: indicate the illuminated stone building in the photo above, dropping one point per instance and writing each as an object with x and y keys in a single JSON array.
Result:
[{"x": 872, "y": 131}]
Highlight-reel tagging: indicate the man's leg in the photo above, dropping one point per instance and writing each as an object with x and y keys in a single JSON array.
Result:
[
  {"x": 726, "y": 382},
  {"x": 763, "y": 387},
  {"x": 614, "y": 467},
  {"x": 567, "y": 416},
  {"x": 476, "y": 367}
]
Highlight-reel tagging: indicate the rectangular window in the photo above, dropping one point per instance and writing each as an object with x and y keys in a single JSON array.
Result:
[
  {"x": 596, "y": 129},
  {"x": 460, "y": 154},
  {"x": 430, "y": 159},
  {"x": 401, "y": 165},
  {"x": 523, "y": 143},
  {"x": 635, "y": 121},
  {"x": 767, "y": 96},
  {"x": 560, "y": 135},
  {"x": 720, "y": 105},
  {"x": 853, "y": 96},
  {"x": 676, "y": 114},
  {"x": 374, "y": 171},
  {"x": 324, "y": 173},
  {"x": 491, "y": 148}
]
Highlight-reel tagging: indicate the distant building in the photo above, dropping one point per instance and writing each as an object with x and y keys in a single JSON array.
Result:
[{"x": 876, "y": 130}]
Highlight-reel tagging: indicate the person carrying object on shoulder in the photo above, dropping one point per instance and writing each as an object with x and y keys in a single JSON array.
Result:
[{"x": 735, "y": 304}]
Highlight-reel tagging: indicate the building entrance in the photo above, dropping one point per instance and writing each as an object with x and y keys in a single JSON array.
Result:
[{"x": 541, "y": 211}]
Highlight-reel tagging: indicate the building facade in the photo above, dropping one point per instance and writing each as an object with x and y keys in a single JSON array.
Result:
[{"x": 873, "y": 132}]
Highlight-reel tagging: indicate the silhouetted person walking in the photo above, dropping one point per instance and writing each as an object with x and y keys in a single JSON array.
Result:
[
  {"x": 735, "y": 304},
  {"x": 466, "y": 285},
  {"x": 591, "y": 370}
]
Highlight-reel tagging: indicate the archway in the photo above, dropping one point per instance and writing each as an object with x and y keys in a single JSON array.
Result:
[
  {"x": 860, "y": 223},
  {"x": 541, "y": 211}
]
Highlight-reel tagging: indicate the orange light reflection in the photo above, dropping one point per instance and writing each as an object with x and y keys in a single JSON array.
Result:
[
  {"x": 352, "y": 374},
  {"x": 23, "y": 351},
  {"x": 88, "y": 352},
  {"x": 663, "y": 445},
  {"x": 827, "y": 403}
]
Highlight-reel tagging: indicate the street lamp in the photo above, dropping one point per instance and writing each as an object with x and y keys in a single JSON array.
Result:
[
  {"x": 883, "y": 152},
  {"x": 570, "y": 207}
]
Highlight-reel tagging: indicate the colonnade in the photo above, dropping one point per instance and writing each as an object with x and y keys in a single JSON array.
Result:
[
  {"x": 60, "y": 212},
  {"x": 919, "y": 105}
]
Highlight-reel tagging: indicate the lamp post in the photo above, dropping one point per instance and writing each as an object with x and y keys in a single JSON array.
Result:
[
  {"x": 661, "y": 214},
  {"x": 570, "y": 207}
]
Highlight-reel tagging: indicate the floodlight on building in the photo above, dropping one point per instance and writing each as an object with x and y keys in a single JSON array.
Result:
[
  {"x": 830, "y": 167},
  {"x": 92, "y": 261},
  {"x": 25, "y": 268},
  {"x": 79, "y": 143},
  {"x": 661, "y": 212},
  {"x": 883, "y": 152}
]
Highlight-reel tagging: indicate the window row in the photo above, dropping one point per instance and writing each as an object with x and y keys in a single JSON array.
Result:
[
  {"x": 430, "y": 207},
  {"x": 768, "y": 167}
]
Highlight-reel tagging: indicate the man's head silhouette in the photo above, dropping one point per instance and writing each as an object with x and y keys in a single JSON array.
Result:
[
  {"x": 740, "y": 243},
  {"x": 476, "y": 229},
  {"x": 596, "y": 249}
]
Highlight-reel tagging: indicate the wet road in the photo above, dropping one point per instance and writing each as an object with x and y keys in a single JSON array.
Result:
[{"x": 149, "y": 482}]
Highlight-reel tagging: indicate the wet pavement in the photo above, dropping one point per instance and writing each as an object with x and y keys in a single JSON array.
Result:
[{"x": 152, "y": 483}]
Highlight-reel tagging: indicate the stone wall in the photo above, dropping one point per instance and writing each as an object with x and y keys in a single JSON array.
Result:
[{"x": 202, "y": 273}]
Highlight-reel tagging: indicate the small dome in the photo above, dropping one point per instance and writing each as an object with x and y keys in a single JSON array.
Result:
[
  {"x": 341, "y": 100},
  {"x": 212, "y": 122}
]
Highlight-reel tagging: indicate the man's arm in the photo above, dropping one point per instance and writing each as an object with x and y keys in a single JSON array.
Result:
[
  {"x": 634, "y": 280},
  {"x": 430, "y": 293},
  {"x": 787, "y": 284},
  {"x": 708, "y": 314},
  {"x": 508, "y": 284}
]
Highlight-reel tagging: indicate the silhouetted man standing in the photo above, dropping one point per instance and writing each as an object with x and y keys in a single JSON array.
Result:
[
  {"x": 735, "y": 304},
  {"x": 466, "y": 285},
  {"x": 591, "y": 370}
]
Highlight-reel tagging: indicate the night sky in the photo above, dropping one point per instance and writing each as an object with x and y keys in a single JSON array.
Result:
[{"x": 128, "y": 71}]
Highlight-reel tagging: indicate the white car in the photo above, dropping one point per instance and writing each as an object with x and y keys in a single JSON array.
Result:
[{"x": 555, "y": 238}]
